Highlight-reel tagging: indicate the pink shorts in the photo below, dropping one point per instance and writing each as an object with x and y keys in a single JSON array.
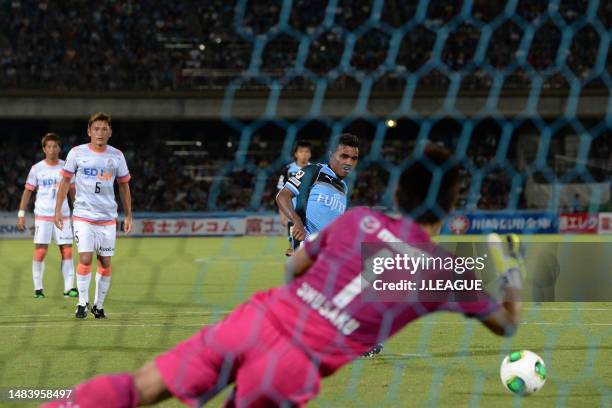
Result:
[{"x": 246, "y": 349}]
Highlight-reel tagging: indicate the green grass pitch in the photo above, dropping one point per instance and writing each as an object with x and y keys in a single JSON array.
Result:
[{"x": 164, "y": 289}]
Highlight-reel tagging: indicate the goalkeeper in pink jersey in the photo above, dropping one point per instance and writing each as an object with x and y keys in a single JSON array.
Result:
[{"x": 277, "y": 346}]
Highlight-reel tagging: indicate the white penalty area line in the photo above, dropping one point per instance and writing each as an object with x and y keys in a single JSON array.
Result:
[
  {"x": 391, "y": 356},
  {"x": 100, "y": 325},
  {"x": 106, "y": 323},
  {"x": 177, "y": 314},
  {"x": 215, "y": 312},
  {"x": 566, "y": 324},
  {"x": 269, "y": 261},
  {"x": 531, "y": 323},
  {"x": 571, "y": 309},
  {"x": 226, "y": 311}
]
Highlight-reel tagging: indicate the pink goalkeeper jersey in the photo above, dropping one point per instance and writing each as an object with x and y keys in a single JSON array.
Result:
[
  {"x": 44, "y": 178},
  {"x": 95, "y": 174},
  {"x": 324, "y": 310}
]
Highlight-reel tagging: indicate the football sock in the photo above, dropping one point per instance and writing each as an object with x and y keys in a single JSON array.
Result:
[
  {"x": 38, "y": 267},
  {"x": 103, "y": 278},
  {"x": 38, "y": 270},
  {"x": 68, "y": 272},
  {"x": 102, "y": 285},
  {"x": 67, "y": 268},
  {"x": 83, "y": 279}
]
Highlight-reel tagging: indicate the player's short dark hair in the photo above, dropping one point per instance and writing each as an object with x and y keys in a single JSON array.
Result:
[
  {"x": 348, "y": 139},
  {"x": 417, "y": 179},
  {"x": 99, "y": 116},
  {"x": 50, "y": 137},
  {"x": 302, "y": 144}
]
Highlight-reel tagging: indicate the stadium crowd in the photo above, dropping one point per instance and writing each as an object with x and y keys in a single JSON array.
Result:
[
  {"x": 212, "y": 174},
  {"x": 151, "y": 45},
  {"x": 165, "y": 46}
]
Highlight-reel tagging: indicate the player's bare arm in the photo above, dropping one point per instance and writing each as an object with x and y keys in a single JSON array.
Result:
[
  {"x": 150, "y": 385},
  {"x": 62, "y": 191},
  {"x": 72, "y": 193},
  {"x": 285, "y": 205},
  {"x": 297, "y": 265},
  {"x": 25, "y": 199},
  {"x": 283, "y": 218},
  {"x": 505, "y": 321},
  {"x": 126, "y": 201}
]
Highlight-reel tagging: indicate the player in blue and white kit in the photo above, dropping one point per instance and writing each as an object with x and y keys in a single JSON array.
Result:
[
  {"x": 301, "y": 153},
  {"x": 319, "y": 191}
]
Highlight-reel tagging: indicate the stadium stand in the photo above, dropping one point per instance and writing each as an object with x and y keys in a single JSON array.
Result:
[
  {"x": 159, "y": 46},
  {"x": 175, "y": 172}
]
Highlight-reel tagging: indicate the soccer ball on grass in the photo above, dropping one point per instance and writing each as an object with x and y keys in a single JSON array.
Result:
[{"x": 523, "y": 372}]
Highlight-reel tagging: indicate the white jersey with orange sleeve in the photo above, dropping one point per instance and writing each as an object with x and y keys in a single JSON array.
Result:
[
  {"x": 95, "y": 173},
  {"x": 44, "y": 178}
]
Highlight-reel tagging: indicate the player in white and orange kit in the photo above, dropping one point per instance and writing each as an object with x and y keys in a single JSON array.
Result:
[
  {"x": 95, "y": 167},
  {"x": 44, "y": 178}
]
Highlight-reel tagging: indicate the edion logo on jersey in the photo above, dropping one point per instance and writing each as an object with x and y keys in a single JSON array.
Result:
[
  {"x": 100, "y": 174},
  {"x": 48, "y": 182}
]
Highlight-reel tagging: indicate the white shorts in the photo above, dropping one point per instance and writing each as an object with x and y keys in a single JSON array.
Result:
[
  {"x": 95, "y": 238},
  {"x": 44, "y": 230}
]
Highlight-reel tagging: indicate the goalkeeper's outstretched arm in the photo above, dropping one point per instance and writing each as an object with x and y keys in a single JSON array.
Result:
[
  {"x": 505, "y": 320},
  {"x": 297, "y": 265}
]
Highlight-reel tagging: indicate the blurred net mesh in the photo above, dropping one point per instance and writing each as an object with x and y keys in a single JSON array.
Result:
[
  {"x": 473, "y": 55},
  {"x": 491, "y": 50}
]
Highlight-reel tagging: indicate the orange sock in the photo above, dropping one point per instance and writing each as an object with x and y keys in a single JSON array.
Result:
[
  {"x": 83, "y": 269},
  {"x": 105, "y": 271}
]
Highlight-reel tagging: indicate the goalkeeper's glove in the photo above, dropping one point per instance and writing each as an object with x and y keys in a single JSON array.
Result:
[{"x": 507, "y": 257}]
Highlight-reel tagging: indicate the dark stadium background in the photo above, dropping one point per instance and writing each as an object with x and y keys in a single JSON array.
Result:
[{"x": 207, "y": 99}]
